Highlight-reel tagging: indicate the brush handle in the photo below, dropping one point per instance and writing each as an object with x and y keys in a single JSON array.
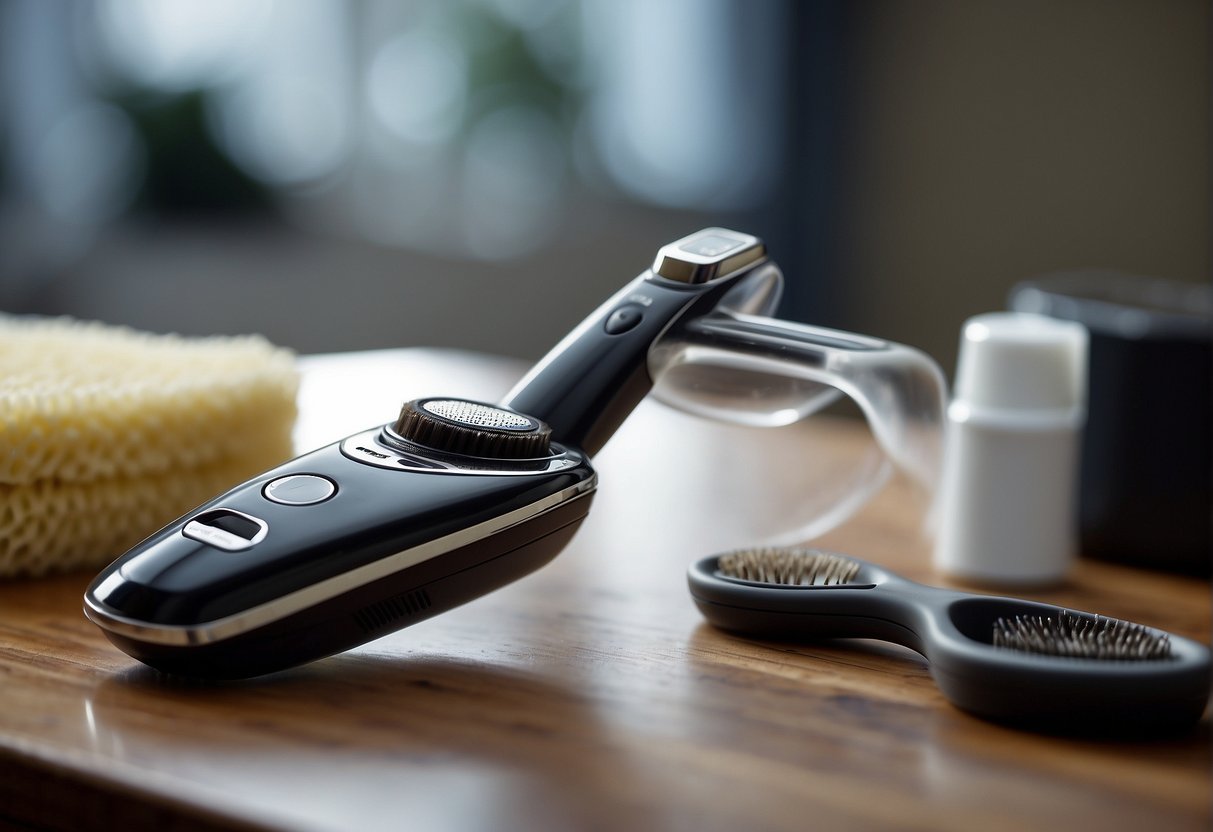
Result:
[{"x": 877, "y": 605}]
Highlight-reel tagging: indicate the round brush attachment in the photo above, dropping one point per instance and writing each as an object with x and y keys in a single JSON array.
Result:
[
  {"x": 458, "y": 426},
  {"x": 787, "y": 567},
  {"x": 1083, "y": 637}
]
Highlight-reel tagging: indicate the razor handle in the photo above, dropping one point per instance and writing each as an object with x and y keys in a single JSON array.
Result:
[{"x": 588, "y": 384}]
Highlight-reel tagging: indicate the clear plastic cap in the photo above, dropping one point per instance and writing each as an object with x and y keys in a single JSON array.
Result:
[{"x": 754, "y": 370}]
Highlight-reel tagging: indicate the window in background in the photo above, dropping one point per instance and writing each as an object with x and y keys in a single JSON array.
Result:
[{"x": 457, "y": 134}]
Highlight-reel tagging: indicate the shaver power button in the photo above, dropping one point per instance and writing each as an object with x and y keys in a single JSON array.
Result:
[
  {"x": 300, "y": 490},
  {"x": 624, "y": 318}
]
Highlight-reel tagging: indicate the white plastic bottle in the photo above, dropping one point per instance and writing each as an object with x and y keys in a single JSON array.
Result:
[{"x": 1009, "y": 501}]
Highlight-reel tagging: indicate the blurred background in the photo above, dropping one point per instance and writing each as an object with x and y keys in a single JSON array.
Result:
[{"x": 482, "y": 173}]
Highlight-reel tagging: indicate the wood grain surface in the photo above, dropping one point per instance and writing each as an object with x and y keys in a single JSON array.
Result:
[{"x": 590, "y": 695}]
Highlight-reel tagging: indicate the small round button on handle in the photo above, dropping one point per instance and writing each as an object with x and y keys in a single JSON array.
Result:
[
  {"x": 458, "y": 426},
  {"x": 300, "y": 490},
  {"x": 624, "y": 318}
]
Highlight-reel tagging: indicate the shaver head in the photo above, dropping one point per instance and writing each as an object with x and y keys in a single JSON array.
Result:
[{"x": 462, "y": 427}]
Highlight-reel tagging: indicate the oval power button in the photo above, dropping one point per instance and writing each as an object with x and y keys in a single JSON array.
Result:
[
  {"x": 300, "y": 490},
  {"x": 624, "y": 318}
]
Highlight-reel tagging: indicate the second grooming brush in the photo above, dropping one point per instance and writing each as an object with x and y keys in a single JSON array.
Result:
[{"x": 1001, "y": 658}]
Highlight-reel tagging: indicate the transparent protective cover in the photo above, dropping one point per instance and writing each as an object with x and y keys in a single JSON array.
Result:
[{"x": 754, "y": 370}]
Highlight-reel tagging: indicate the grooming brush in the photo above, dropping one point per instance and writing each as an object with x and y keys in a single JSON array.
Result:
[{"x": 1004, "y": 659}]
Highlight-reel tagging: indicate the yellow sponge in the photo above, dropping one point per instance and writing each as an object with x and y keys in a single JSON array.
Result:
[{"x": 106, "y": 434}]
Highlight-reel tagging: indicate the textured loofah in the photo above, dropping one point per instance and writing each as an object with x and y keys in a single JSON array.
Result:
[{"x": 106, "y": 434}]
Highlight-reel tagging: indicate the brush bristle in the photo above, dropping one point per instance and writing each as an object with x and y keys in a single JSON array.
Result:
[
  {"x": 788, "y": 567},
  {"x": 1077, "y": 636}
]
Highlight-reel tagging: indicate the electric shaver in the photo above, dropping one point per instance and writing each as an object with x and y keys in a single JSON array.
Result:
[{"x": 456, "y": 498}]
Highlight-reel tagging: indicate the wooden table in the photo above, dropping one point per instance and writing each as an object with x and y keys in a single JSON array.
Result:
[{"x": 591, "y": 694}]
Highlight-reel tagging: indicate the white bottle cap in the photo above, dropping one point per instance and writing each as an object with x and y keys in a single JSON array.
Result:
[
  {"x": 1015, "y": 361},
  {"x": 1008, "y": 494}
]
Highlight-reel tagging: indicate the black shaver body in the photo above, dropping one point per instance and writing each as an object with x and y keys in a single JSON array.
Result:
[
  {"x": 385, "y": 549},
  {"x": 398, "y": 523}
]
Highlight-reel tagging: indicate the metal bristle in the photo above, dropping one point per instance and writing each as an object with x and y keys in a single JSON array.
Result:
[
  {"x": 1077, "y": 636},
  {"x": 788, "y": 567}
]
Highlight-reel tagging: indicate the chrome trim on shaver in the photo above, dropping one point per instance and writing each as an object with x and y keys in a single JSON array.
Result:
[
  {"x": 708, "y": 255},
  {"x": 302, "y": 599},
  {"x": 371, "y": 448}
]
